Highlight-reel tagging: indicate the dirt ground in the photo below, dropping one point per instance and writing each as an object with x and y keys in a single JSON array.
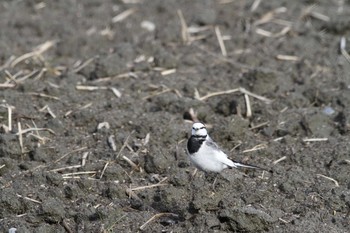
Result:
[{"x": 94, "y": 114}]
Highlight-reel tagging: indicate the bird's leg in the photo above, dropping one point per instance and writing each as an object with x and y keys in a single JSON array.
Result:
[
  {"x": 214, "y": 183},
  {"x": 193, "y": 174}
]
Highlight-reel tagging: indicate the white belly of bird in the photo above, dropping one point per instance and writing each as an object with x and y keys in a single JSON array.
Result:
[{"x": 210, "y": 160}]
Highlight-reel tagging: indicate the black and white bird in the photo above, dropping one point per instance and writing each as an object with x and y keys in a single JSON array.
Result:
[{"x": 206, "y": 155}]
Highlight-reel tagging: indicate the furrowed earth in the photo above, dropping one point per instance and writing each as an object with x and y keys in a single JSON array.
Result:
[{"x": 98, "y": 98}]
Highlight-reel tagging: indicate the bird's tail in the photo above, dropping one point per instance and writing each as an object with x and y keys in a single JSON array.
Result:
[{"x": 236, "y": 164}]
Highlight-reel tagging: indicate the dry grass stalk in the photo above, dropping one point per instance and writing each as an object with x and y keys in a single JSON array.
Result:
[
  {"x": 46, "y": 107},
  {"x": 116, "y": 92},
  {"x": 240, "y": 89},
  {"x": 83, "y": 161},
  {"x": 124, "y": 145},
  {"x": 260, "y": 125},
  {"x": 41, "y": 73},
  {"x": 104, "y": 170},
  {"x": 90, "y": 88},
  {"x": 7, "y": 63},
  {"x": 269, "y": 16},
  {"x": 132, "y": 194},
  {"x": 7, "y": 85},
  {"x": 11, "y": 77},
  {"x": 80, "y": 67},
  {"x": 277, "y": 139},
  {"x": 132, "y": 164},
  {"x": 221, "y": 41},
  {"x": 263, "y": 32},
  {"x": 35, "y": 129},
  {"x": 279, "y": 160},
  {"x": 43, "y": 95},
  {"x": 343, "y": 49},
  {"x": 167, "y": 72},
  {"x": 111, "y": 143},
  {"x": 2, "y": 166},
  {"x": 255, "y": 148},
  {"x": 160, "y": 183},
  {"x": 122, "y": 16},
  {"x": 35, "y": 53},
  {"x": 287, "y": 57},
  {"x": 329, "y": 178},
  {"x": 154, "y": 217},
  {"x": 73, "y": 174},
  {"x": 308, "y": 12},
  {"x": 184, "y": 29},
  {"x": 255, "y": 5},
  {"x": 20, "y": 136},
  {"x": 157, "y": 93},
  {"x": 29, "y": 199},
  {"x": 247, "y": 102},
  {"x": 9, "y": 116},
  {"x": 41, "y": 139},
  {"x": 193, "y": 115},
  {"x": 71, "y": 152},
  {"x": 25, "y": 77},
  {"x": 315, "y": 139}
]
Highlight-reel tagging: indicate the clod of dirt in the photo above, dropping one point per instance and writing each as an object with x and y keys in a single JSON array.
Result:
[
  {"x": 9, "y": 146},
  {"x": 10, "y": 203},
  {"x": 246, "y": 219},
  {"x": 157, "y": 162},
  {"x": 259, "y": 82},
  {"x": 52, "y": 210}
]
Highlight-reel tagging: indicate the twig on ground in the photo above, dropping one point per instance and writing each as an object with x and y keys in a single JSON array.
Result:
[
  {"x": 27, "y": 198},
  {"x": 80, "y": 67},
  {"x": 83, "y": 161},
  {"x": 73, "y": 151},
  {"x": 20, "y": 136},
  {"x": 221, "y": 41},
  {"x": 35, "y": 129},
  {"x": 329, "y": 178},
  {"x": 240, "y": 89},
  {"x": 260, "y": 125},
  {"x": 255, "y": 5},
  {"x": 247, "y": 102},
  {"x": 255, "y": 148},
  {"x": 263, "y": 32},
  {"x": 43, "y": 95},
  {"x": 287, "y": 57},
  {"x": 124, "y": 145},
  {"x": 46, "y": 107},
  {"x": 343, "y": 49},
  {"x": 132, "y": 164},
  {"x": 269, "y": 16},
  {"x": 111, "y": 142},
  {"x": 315, "y": 139},
  {"x": 160, "y": 183},
  {"x": 184, "y": 29},
  {"x": 167, "y": 72},
  {"x": 73, "y": 174},
  {"x": 36, "y": 52},
  {"x": 104, "y": 170},
  {"x": 279, "y": 160},
  {"x": 125, "y": 14}
]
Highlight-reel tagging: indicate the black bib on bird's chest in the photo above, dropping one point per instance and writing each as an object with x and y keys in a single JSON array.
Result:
[{"x": 194, "y": 143}]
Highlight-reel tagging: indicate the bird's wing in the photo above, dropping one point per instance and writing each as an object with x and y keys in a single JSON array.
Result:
[{"x": 210, "y": 143}]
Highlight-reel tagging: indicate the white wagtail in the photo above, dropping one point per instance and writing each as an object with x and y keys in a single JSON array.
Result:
[{"x": 206, "y": 155}]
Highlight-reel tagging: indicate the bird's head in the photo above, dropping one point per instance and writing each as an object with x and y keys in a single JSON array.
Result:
[{"x": 199, "y": 130}]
